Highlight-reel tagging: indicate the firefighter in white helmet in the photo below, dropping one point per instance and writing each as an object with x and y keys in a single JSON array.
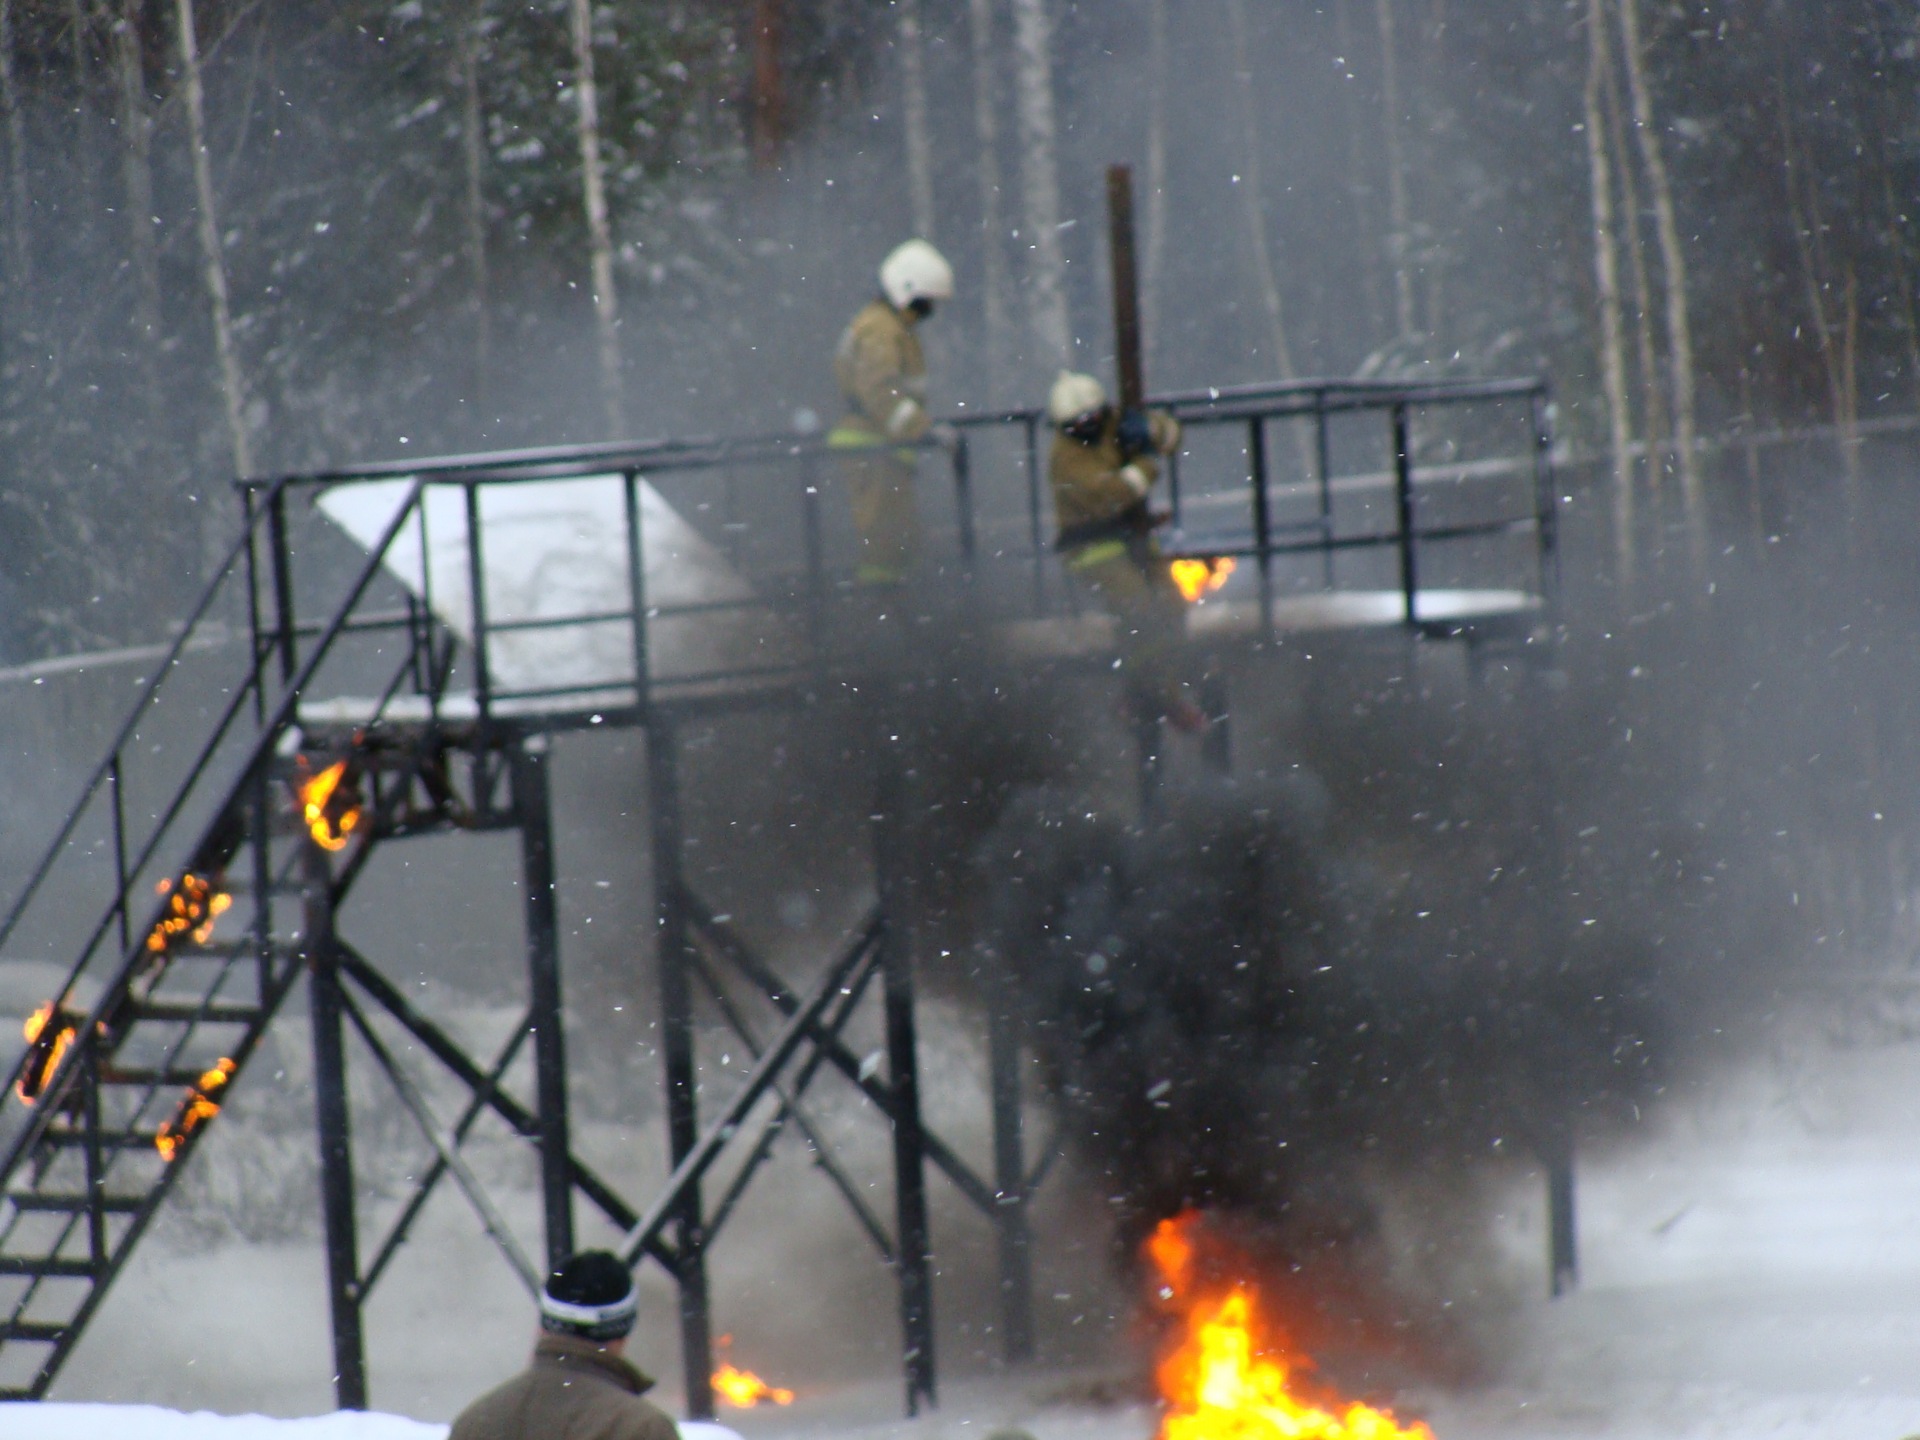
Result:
[
  {"x": 883, "y": 375},
  {"x": 1102, "y": 468}
]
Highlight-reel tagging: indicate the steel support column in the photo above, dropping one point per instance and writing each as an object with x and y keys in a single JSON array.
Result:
[
  {"x": 676, "y": 1027},
  {"x": 331, "y": 1115},
  {"x": 912, "y": 1258},
  {"x": 1563, "y": 1255},
  {"x": 532, "y": 805},
  {"x": 1011, "y": 1191}
]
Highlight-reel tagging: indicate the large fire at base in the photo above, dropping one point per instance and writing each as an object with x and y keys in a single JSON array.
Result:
[{"x": 1229, "y": 1374}]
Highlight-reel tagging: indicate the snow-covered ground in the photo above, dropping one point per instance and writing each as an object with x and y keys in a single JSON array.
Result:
[{"x": 1751, "y": 1266}]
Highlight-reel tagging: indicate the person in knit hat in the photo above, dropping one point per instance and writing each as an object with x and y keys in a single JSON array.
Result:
[{"x": 580, "y": 1382}]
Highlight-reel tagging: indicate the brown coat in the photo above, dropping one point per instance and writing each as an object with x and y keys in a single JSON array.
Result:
[
  {"x": 574, "y": 1390},
  {"x": 881, "y": 371}
]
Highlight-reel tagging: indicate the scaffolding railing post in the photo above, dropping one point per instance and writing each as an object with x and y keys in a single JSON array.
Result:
[
  {"x": 1563, "y": 1255},
  {"x": 332, "y": 1122},
  {"x": 913, "y": 1253},
  {"x": 532, "y": 803},
  {"x": 1010, "y": 1192},
  {"x": 1404, "y": 510},
  {"x": 1262, "y": 519},
  {"x": 676, "y": 1026}
]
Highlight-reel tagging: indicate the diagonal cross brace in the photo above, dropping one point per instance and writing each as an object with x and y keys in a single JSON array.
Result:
[
  {"x": 733, "y": 949},
  {"x": 799, "y": 1028},
  {"x": 383, "y": 993}
]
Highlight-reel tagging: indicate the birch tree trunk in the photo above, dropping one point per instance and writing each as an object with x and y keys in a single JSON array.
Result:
[
  {"x": 19, "y": 196},
  {"x": 81, "y": 156},
  {"x": 1253, "y": 192},
  {"x": 1673, "y": 263},
  {"x": 1359, "y": 191},
  {"x": 913, "y": 114},
  {"x": 593, "y": 181},
  {"x": 474, "y": 154},
  {"x": 1040, "y": 184},
  {"x": 1399, "y": 220},
  {"x": 213, "y": 259},
  {"x": 136, "y": 171},
  {"x": 1653, "y": 409},
  {"x": 1803, "y": 213},
  {"x": 1156, "y": 177},
  {"x": 986, "y": 134},
  {"x": 1606, "y": 275}
]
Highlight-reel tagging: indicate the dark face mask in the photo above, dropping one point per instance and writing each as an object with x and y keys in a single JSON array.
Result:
[
  {"x": 1086, "y": 428},
  {"x": 920, "y": 306}
]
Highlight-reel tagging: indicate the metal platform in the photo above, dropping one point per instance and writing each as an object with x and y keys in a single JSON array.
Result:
[{"x": 326, "y": 699}]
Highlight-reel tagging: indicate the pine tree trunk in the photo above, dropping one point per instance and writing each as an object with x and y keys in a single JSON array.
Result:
[
  {"x": 136, "y": 169},
  {"x": 213, "y": 259},
  {"x": 913, "y": 114},
  {"x": 1399, "y": 220},
  {"x": 1606, "y": 274},
  {"x": 1040, "y": 186},
  {"x": 1673, "y": 262},
  {"x": 19, "y": 195},
  {"x": 593, "y": 184},
  {"x": 1154, "y": 258},
  {"x": 986, "y": 134},
  {"x": 1253, "y": 193},
  {"x": 769, "y": 88},
  {"x": 473, "y": 146}
]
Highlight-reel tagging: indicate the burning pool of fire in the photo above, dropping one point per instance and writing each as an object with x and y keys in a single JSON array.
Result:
[
  {"x": 1199, "y": 578},
  {"x": 1228, "y": 1372}
]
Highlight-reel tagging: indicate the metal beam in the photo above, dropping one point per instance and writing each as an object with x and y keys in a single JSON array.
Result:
[
  {"x": 332, "y": 1122},
  {"x": 676, "y": 1027},
  {"x": 913, "y": 1260},
  {"x": 532, "y": 802}
]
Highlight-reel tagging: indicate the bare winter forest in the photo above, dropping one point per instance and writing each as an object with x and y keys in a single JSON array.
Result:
[
  {"x": 248, "y": 238},
  {"x": 257, "y": 237}
]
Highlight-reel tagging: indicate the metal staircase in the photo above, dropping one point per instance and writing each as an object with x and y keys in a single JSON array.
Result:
[{"x": 195, "y": 926}]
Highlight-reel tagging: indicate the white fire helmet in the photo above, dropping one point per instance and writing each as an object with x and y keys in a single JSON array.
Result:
[
  {"x": 1074, "y": 395},
  {"x": 915, "y": 271}
]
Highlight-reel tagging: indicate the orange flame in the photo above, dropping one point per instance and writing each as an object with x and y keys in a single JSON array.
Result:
[
  {"x": 743, "y": 1388},
  {"x": 192, "y": 910},
  {"x": 49, "y": 1031},
  {"x": 1199, "y": 578},
  {"x": 199, "y": 1107},
  {"x": 1229, "y": 1376},
  {"x": 329, "y": 831}
]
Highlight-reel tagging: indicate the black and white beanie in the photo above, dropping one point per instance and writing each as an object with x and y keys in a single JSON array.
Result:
[{"x": 591, "y": 1295}]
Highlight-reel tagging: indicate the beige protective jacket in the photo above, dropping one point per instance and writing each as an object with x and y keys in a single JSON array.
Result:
[
  {"x": 574, "y": 1390},
  {"x": 1097, "y": 492},
  {"x": 882, "y": 373}
]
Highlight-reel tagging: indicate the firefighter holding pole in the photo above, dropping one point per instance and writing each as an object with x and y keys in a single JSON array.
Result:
[{"x": 1102, "y": 468}]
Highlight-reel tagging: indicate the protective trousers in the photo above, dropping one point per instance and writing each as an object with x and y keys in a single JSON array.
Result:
[
  {"x": 885, "y": 519},
  {"x": 1131, "y": 582}
]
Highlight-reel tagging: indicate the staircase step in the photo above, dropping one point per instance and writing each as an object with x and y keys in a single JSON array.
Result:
[
  {"x": 44, "y": 1332},
  {"x": 73, "y": 1203},
  {"x": 48, "y": 1268},
  {"x": 144, "y": 1075},
  {"x": 186, "y": 1012},
  {"x": 109, "y": 1139}
]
